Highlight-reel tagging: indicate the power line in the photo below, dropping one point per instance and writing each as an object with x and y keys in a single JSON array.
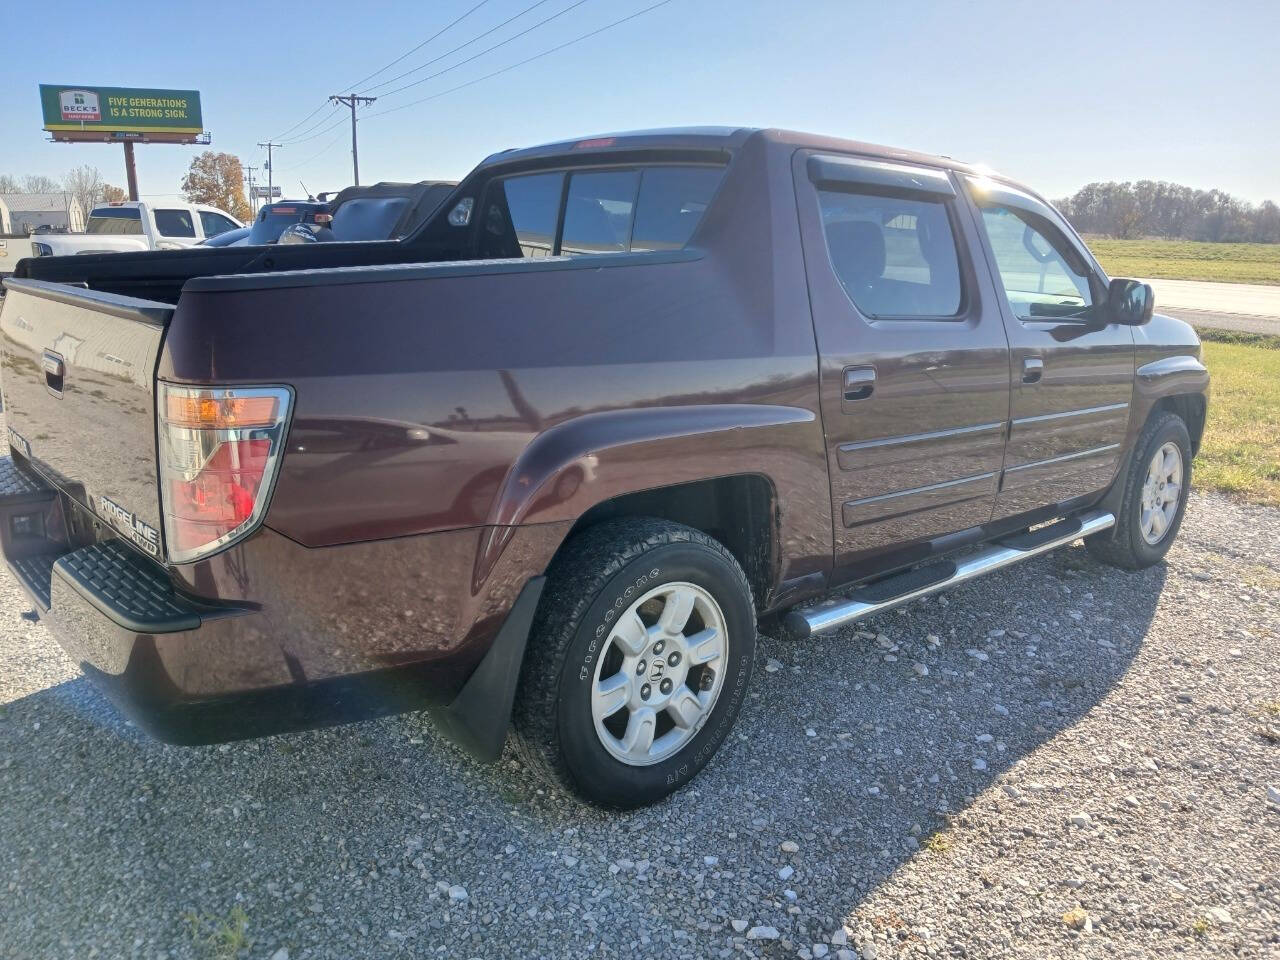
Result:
[
  {"x": 521, "y": 63},
  {"x": 303, "y": 134},
  {"x": 442, "y": 30},
  {"x": 352, "y": 86},
  {"x": 319, "y": 153},
  {"x": 280, "y": 136},
  {"x": 319, "y": 133},
  {"x": 475, "y": 56},
  {"x": 423, "y": 66}
]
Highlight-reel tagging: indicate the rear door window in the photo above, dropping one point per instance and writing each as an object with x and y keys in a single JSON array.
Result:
[
  {"x": 894, "y": 255},
  {"x": 215, "y": 223},
  {"x": 174, "y": 223}
]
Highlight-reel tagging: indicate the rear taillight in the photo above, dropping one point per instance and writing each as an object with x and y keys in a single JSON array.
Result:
[{"x": 219, "y": 451}]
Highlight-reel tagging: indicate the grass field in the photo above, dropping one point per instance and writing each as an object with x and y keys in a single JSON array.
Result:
[
  {"x": 1188, "y": 260},
  {"x": 1240, "y": 453}
]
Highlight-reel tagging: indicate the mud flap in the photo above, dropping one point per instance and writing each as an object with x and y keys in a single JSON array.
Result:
[{"x": 479, "y": 715}]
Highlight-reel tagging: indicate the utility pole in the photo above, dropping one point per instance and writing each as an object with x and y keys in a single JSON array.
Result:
[
  {"x": 253, "y": 201},
  {"x": 270, "y": 170},
  {"x": 350, "y": 100}
]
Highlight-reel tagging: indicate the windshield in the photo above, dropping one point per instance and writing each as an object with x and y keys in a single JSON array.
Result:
[{"x": 115, "y": 220}]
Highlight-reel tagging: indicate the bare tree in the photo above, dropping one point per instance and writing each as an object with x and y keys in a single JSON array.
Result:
[
  {"x": 85, "y": 183},
  {"x": 9, "y": 184},
  {"x": 39, "y": 183}
]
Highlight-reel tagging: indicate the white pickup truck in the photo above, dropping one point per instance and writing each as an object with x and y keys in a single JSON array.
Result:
[{"x": 137, "y": 225}]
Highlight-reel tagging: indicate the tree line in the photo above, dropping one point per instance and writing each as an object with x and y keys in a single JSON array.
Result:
[
  {"x": 212, "y": 178},
  {"x": 1156, "y": 208},
  {"x": 85, "y": 183}
]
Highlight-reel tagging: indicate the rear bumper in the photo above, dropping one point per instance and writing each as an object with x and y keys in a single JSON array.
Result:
[{"x": 188, "y": 671}]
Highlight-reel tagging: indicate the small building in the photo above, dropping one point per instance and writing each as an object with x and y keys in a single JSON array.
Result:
[
  {"x": 4, "y": 217},
  {"x": 30, "y": 211}
]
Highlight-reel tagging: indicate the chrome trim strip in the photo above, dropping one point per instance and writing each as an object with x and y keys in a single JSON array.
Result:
[
  {"x": 824, "y": 619},
  {"x": 920, "y": 437},
  {"x": 1066, "y": 456},
  {"x": 915, "y": 490},
  {"x": 1084, "y": 411}
]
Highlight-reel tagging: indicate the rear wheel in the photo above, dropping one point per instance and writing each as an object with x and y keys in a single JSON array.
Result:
[
  {"x": 1155, "y": 497},
  {"x": 638, "y": 662}
]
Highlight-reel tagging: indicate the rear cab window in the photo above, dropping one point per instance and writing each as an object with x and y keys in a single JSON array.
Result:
[
  {"x": 174, "y": 222},
  {"x": 116, "y": 221},
  {"x": 625, "y": 209}
]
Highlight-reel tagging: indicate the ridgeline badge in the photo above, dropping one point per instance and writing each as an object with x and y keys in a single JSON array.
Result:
[{"x": 143, "y": 534}]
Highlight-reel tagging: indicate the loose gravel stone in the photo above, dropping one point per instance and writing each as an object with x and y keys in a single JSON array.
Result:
[
  {"x": 763, "y": 933},
  {"x": 346, "y": 842}
]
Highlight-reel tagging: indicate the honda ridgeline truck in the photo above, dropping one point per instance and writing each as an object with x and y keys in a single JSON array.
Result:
[{"x": 548, "y": 460}]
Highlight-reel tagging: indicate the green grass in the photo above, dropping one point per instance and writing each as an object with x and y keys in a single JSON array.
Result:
[
  {"x": 220, "y": 938},
  {"x": 1188, "y": 260},
  {"x": 1240, "y": 453}
]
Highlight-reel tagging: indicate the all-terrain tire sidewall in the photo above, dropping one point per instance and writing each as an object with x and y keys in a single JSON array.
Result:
[
  {"x": 598, "y": 774},
  {"x": 1129, "y": 548}
]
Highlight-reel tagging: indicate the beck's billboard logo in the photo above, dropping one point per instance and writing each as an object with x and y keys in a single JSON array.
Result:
[{"x": 79, "y": 105}]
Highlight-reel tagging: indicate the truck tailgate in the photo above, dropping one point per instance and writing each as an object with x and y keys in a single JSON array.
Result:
[{"x": 79, "y": 397}]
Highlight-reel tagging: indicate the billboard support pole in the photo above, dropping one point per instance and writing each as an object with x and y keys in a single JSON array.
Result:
[{"x": 130, "y": 170}]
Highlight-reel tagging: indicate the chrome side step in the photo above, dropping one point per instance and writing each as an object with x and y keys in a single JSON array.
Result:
[{"x": 838, "y": 613}]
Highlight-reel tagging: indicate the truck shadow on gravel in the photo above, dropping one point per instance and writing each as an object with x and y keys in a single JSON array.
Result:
[{"x": 380, "y": 839}]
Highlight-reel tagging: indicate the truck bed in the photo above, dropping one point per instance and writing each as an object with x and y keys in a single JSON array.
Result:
[{"x": 159, "y": 275}]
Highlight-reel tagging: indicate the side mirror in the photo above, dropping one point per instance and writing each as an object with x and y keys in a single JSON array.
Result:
[{"x": 1130, "y": 302}]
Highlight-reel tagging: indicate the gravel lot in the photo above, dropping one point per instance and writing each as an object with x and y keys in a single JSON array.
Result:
[{"x": 1063, "y": 760}]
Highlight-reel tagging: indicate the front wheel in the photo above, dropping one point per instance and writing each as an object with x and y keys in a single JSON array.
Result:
[
  {"x": 1155, "y": 497},
  {"x": 638, "y": 661}
]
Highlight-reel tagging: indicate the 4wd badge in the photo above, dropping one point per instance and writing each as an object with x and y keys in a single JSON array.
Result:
[{"x": 143, "y": 534}]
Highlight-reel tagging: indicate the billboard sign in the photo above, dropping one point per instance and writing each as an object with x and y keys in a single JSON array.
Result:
[
  {"x": 266, "y": 193},
  {"x": 72, "y": 111}
]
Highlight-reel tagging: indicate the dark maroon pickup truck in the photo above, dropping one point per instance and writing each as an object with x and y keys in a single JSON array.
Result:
[{"x": 546, "y": 461}]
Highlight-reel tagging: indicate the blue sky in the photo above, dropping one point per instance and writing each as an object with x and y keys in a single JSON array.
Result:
[{"x": 1055, "y": 93}]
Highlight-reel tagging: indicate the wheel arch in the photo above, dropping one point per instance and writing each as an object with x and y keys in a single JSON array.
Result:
[{"x": 739, "y": 510}]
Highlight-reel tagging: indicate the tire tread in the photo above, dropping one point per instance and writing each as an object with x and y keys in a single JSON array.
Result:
[{"x": 574, "y": 581}]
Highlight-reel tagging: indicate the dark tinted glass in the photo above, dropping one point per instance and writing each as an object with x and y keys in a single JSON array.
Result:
[
  {"x": 215, "y": 223},
  {"x": 895, "y": 257},
  {"x": 520, "y": 216},
  {"x": 368, "y": 218},
  {"x": 597, "y": 214},
  {"x": 114, "y": 220},
  {"x": 175, "y": 223},
  {"x": 672, "y": 201}
]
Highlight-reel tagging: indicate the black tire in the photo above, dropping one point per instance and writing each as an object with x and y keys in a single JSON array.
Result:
[
  {"x": 1124, "y": 545},
  {"x": 598, "y": 576}
]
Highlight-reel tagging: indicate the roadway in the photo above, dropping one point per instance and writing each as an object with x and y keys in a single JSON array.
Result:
[{"x": 1245, "y": 307}]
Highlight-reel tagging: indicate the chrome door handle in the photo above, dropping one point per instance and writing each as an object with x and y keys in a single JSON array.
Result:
[
  {"x": 859, "y": 383},
  {"x": 1032, "y": 369}
]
